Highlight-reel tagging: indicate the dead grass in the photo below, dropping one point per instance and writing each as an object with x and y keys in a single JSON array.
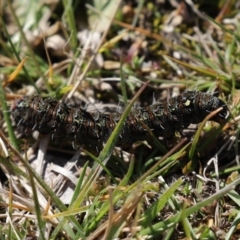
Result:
[{"x": 181, "y": 188}]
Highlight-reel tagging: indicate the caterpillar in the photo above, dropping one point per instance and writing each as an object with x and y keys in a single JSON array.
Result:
[{"x": 163, "y": 118}]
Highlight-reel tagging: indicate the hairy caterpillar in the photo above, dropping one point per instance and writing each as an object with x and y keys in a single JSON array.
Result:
[{"x": 93, "y": 129}]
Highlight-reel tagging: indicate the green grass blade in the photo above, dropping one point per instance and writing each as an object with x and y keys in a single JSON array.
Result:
[
  {"x": 79, "y": 183},
  {"x": 200, "y": 128},
  {"x": 7, "y": 118},
  {"x": 123, "y": 85},
  {"x": 160, "y": 227},
  {"x": 151, "y": 213},
  {"x": 69, "y": 15},
  {"x": 40, "y": 221},
  {"x": 17, "y": 55},
  {"x": 233, "y": 228}
]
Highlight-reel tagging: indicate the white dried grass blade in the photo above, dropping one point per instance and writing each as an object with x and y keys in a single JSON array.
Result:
[
  {"x": 41, "y": 153},
  {"x": 3, "y": 150},
  {"x": 64, "y": 172}
]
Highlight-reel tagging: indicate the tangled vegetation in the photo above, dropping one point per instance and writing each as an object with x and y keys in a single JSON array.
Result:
[{"x": 108, "y": 58}]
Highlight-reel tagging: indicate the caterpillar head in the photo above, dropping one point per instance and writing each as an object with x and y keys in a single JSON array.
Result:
[{"x": 222, "y": 116}]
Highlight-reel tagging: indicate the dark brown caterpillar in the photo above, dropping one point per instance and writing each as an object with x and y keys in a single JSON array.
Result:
[{"x": 82, "y": 128}]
